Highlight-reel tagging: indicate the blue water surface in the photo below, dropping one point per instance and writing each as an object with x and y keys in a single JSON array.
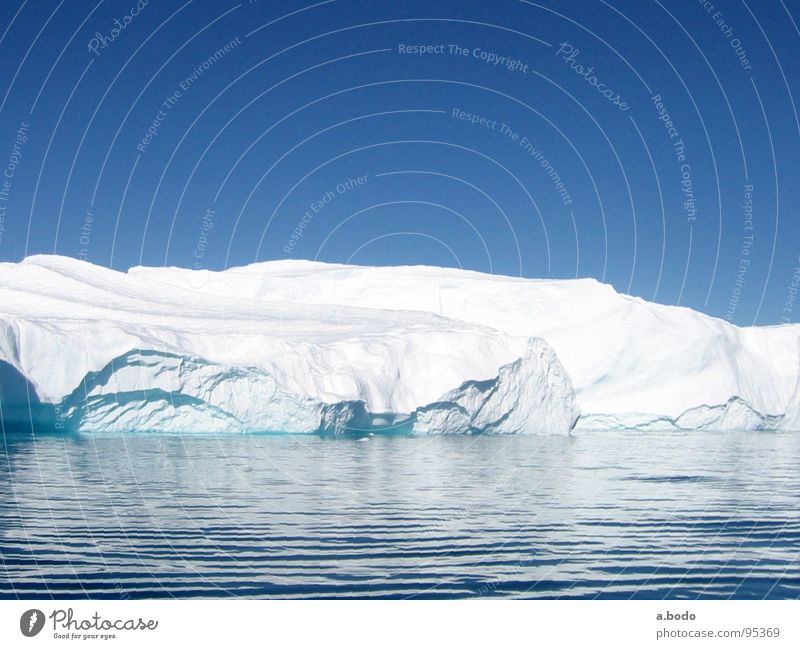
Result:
[{"x": 595, "y": 515}]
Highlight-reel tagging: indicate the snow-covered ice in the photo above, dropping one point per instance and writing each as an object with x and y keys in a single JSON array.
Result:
[
  {"x": 302, "y": 346},
  {"x": 631, "y": 361},
  {"x": 110, "y": 351}
]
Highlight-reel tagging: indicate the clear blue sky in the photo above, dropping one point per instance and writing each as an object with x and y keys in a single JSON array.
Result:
[{"x": 200, "y": 133}]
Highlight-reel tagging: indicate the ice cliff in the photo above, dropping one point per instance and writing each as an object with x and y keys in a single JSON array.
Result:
[
  {"x": 298, "y": 346},
  {"x": 85, "y": 348},
  {"x": 633, "y": 363}
]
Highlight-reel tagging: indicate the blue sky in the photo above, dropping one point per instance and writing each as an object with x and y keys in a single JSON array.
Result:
[{"x": 651, "y": 145}]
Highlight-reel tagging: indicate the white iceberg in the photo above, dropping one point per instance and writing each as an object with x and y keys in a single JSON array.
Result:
[
  {"x": 633, "y": 363},
  {"x": 531, "y": 395},
  {"x": 300, "y": 346},
  {"x": 106, "y": 351}
]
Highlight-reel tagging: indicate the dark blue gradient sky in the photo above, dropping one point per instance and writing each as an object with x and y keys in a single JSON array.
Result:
[{"x": 509, "y": 137}]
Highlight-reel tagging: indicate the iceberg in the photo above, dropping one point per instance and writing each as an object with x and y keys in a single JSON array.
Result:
[
  {"x": 94, "y": 350},
  {"x": 735, "y": 414},
  {"x": 308, "y": 347},
  {"x": 519, "y": 400},
  {"x": 791, "y": 418},
  {"x": 633, "y": 363}
]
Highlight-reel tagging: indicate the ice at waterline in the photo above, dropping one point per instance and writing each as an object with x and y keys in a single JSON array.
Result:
[{"x": 303, "y": 347}]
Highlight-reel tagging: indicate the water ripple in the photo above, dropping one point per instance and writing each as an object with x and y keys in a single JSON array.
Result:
[{"x": 611, "y": 515}]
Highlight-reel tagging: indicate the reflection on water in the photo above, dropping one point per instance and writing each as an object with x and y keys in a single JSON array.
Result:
[{"x": 596, "y": 515}]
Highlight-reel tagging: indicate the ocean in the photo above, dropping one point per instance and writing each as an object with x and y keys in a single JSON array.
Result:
[{"x": 618, "y": 514}]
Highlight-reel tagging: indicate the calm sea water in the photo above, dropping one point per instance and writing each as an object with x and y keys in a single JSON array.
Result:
[{"x": 616, "y": 514}]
